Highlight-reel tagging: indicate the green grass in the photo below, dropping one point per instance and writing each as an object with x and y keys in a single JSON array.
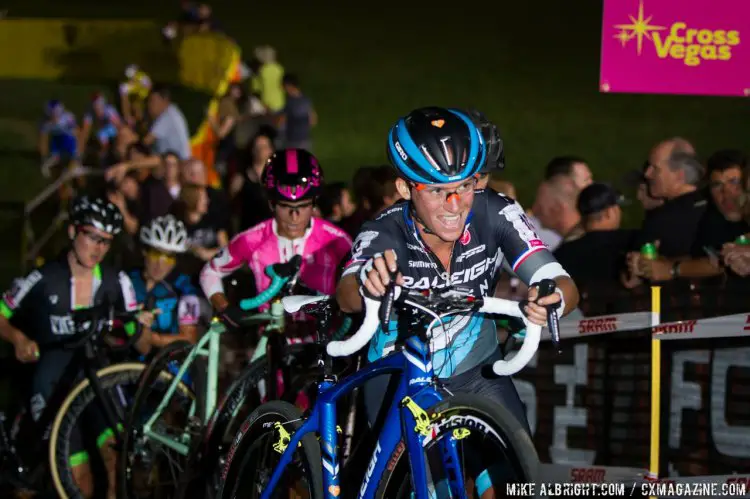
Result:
[{"x": 532, "y": 67}]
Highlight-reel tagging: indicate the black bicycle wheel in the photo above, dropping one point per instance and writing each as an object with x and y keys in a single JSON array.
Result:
[
  {"x": 118, "y": 382},
  {"x": 258, "y": 446},
  {"x": 241, "y": 398},
  {"x": 140, "y": 472},
  {"x": 490, "y": 441}
]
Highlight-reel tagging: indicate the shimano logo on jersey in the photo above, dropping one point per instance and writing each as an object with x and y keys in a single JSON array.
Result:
[
  {"x": 423, "y": 265},
  {"x": 416, "y": 247},
  {"x": 471, "y": 252},
  {"x": 401, "y": 151}
]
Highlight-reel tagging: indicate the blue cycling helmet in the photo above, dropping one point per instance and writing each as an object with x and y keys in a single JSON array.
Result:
[{"x": 435, "y": 145}]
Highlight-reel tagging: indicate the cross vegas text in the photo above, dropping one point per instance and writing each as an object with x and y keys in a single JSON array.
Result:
[{"x": 656, "y": 489}]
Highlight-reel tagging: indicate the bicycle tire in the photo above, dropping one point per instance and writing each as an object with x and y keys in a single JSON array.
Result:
[
  {"x": 517, "y": 441},
  {"x": 255, "y": 426},
  {"x": 230, "y": 413},
  {"x": 156, "y": 369},
  {"x": 67, "y": 417}
]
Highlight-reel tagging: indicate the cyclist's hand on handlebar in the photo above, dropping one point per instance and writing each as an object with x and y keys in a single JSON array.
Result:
[
  {"x": 26, "y": 350},
  {"x": 536, "y": 310},
  {"x": 375, "y": 275},
  {"x": 146, "y": 317},
  {"x": 232, "y": 316}
]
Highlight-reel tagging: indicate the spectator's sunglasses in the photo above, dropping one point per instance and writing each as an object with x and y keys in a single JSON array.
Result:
[
  {"x": 434, "y": 193},
  {"x": 94, "y": 238},
  {"x": 160, "y": 256},
  {"x": 293, "y": 208}
]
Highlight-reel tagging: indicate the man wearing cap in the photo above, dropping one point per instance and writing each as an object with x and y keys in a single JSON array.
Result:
[{"x": 599, "y": 254}]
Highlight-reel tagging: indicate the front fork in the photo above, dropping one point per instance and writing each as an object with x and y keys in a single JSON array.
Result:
[{"x": 452, "y": 484}]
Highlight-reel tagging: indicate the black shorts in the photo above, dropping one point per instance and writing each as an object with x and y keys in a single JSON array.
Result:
[{"x": 91, "y": 430}]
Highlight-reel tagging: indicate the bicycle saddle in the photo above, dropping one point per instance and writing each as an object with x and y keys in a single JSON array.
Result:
[
  {"x": 293, "y": 304},
  {"x": 288, "y": 269}
]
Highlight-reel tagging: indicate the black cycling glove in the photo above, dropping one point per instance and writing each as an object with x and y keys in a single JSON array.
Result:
[{"x": 232, "y": 316}]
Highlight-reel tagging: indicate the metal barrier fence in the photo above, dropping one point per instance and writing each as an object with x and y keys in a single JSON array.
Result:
[
  {"x": 591, "y": 405},
  {"x": 53, "y": 218}
]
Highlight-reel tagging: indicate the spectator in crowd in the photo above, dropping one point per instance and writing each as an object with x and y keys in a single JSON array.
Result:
[
  {"x": 579, "y": 176},
  {"x": 161, "y": 188},
  {"x": 169, "y": 129},
  {"x": 375, "y": 188},
  {"x": 126, "y": 196},
  {"x": 207, "y": 232},
  {"x": 570, "y": 166},
  {"x": 194, "y": 172},
  {"x": 255, "y": 120},
  {"x": 720, "y": 224},
  {"x": 637, "y": 178},
  {"x": 104, "y": 121},
  {"x": 297, "y": 117},
  {"x": 133, "y": 94},
  {"x": 360, "y": 181},
  {"x": 245, "y": 187},
  {"x": 673, "y": 174},
  {"x": 598, "y": 254},
  {"x": 335, "y": 202},
  {"x": 267, "y": 79},
  {"x": 58, "y": 135},
  {"x": 224, "y": 123},
  {"x": 556, "y": 212},
  {"x": 125, "y": 193}
]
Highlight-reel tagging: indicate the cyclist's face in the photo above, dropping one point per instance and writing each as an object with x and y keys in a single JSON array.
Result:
[
  {"x": 91, "y": 245},
  {"x": 293, "y": 217},
  {"x": 444, "y": 207},
  {"x": 158, "y": 264}
]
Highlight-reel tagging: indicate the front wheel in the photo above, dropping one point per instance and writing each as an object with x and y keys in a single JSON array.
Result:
[
  {"x": 491, "y": 447},
  {"x": 79, "y": 411},
  {"x": 256, "y": 450}
]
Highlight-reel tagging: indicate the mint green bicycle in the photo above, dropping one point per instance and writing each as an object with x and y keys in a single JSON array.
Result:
[{"x": 193, "y": 431}]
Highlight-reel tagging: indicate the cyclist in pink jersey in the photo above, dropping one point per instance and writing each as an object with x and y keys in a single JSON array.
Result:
[{"x": 292, "y": 178}]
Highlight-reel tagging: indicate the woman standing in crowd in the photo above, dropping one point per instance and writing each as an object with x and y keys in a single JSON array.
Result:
[
  {"x": 205, "y": 235},
  {"x": 246, "y": 189}
]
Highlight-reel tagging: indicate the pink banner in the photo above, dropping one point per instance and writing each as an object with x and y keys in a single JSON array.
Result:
[{"x": 676, "y": 47}]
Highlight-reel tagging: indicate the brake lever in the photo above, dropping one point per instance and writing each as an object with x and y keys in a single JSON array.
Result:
[
  {"x": 546, "y": 288},
  {"x": 386, "y": 306}
]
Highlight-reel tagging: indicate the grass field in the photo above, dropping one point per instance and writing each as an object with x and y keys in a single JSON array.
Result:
[{"x": 532, "y": 67}]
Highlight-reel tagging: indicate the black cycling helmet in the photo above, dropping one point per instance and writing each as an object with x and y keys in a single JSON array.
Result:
[
  {"x": 493, "y": 142},
  {"x": 96, "y": 212},
  {"x": 292, "y": 175},
  {"x": 435, "y": 145}
]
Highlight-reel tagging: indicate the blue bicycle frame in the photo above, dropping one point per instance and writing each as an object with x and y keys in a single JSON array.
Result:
[{"x": 414, "y": 364}]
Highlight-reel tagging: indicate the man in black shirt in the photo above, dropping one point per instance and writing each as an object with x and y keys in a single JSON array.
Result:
[
  {"x": 599, "y": 254},
  {"x": 721, "y": 223},
  {"x": 673, "y": 174}
]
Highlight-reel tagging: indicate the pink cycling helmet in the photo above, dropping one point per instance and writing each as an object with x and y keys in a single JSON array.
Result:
[{"x": 292, "y": 174}]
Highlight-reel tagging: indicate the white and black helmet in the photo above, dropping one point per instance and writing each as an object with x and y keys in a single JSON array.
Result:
[
  {"x": 166, "y": 234},
  {"x": 96, "y": 212}
]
